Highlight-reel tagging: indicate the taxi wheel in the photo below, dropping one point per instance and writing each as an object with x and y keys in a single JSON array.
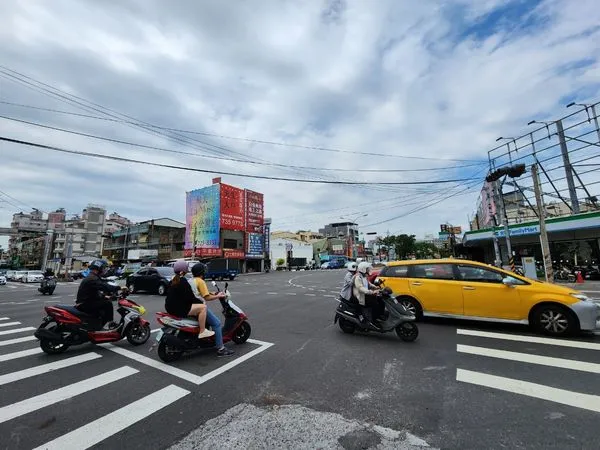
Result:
[{"x": 555, "y": 320}]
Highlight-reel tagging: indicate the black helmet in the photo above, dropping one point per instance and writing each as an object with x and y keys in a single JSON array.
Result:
[
  {"x": 198, "y": 269},
  {"x": 99, "y": 265}
]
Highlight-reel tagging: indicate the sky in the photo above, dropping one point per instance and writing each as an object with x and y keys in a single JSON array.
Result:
[{"x": 328, "y": 90}]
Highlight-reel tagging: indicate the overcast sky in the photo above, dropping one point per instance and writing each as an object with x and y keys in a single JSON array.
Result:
[{"x": 429, "y": 79}]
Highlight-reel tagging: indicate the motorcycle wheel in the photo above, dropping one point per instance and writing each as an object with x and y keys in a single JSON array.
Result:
[
  {"x": 407, "y": 331},
  {"x": 242, "y": 333},
  {"x": 346, "y": 326},
  {"x": 138, "y": 334},
  {"x": 51, "y": 347},
  {"x": 167, "y": 353}
]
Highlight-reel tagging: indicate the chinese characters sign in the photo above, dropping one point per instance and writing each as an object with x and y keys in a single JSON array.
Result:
[
  {"x": 255, "y": 245},
  {"x": 232, "y": 208},
  {"x": 202, "y": 218},
  {"x": 254, "y": 212}
]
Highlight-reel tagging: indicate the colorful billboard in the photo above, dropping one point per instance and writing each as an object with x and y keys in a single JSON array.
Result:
[
  {"x": 254, "y": 212},
  {"x": 232, "y": 208},
  {"x": 202, "y": 208}
]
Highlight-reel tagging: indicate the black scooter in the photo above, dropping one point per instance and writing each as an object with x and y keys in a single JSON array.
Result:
[
  {"x": 397, "y": 318},
  {"x": 47, "y": 286}
]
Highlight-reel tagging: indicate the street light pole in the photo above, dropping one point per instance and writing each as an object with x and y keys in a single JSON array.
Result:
[{"x": 348, "y": 230}]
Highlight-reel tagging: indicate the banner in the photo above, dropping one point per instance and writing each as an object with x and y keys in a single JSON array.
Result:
[
  {"x": 202, "y": 209},
  {"x": 267, "y": 233},
  {"x": 255, "y": 245},
  {"x": 233, "y": 254},
  {"x": 232, "y": 208},
  {"x": 254, "y": 212}
]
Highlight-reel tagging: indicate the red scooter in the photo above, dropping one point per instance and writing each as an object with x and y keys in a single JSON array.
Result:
[
  {"x": 180, "y": 334},
  {"x": 65, "y": 326}
]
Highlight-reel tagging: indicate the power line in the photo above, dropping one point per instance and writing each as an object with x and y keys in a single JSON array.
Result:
[
  {"x": 191, "y": 169},
  {"x": 258, "y": 141},
  {"x": 162, "y": 149}
]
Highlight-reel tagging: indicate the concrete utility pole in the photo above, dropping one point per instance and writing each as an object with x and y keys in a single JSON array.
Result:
[
  {"x": 568, "y": 169},
  {"x": 547, "y": 258},
  {"x": 47, "y": 246},
  {"x": 504, "y": 217}
]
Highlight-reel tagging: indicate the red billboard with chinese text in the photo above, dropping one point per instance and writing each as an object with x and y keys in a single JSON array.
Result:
[
  {"x": 232, "y": 208},
  {"x": 254, "y": 212}
]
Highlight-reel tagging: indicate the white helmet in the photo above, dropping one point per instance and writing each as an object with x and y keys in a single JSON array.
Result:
[
  {"x": 352, "y": 267},
  {"x": 363, "y": 267}
]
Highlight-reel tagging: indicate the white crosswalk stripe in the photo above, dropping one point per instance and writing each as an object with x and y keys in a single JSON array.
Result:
[{"x": 526, "y": 388}]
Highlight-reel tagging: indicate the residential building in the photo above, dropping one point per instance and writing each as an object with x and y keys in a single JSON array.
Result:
[
  {"x": 304, "y": 236},
  {"x": 115, "y": 222},
  {"x": 26, "y": 240},
  {"x": 159, "y": 239},
  {"x": 285, "y": 249},
  {"x": 346, "y": 230}
]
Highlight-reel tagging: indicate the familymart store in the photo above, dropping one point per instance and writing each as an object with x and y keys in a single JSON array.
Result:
[{"x": 574, "y": 240}]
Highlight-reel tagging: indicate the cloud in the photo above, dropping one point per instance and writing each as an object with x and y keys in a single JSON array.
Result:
[{"x": 399, "y": 78}]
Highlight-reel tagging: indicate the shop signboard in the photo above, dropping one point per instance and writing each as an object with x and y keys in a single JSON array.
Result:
[
  {"x": 267, "y": 234},
  {"x": 255, "y": 245},
  {"x": 233, "y": 254},
  {"x": 202, "y": 218},
  {"x": 519, "y": 231},
  {"x": 232, "y": 208},
  {"x": 254, "y": 212}
]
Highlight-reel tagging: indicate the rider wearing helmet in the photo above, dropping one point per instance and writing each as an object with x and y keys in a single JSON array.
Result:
[
  {"x": 201, "y": 290},
  {"x": 90, "y": 295},
  {"x": 181, "y": 300},
  {"x": 346, "y": 292},
  {"x": 362, "y": 287}
]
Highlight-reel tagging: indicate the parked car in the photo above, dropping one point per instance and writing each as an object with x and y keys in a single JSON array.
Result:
[
  {"x": 471, "y": 290},
  {"x": 32, "y": 276},
  {"x": 10, "y": 274},
  {"x": 18, "y": 275},
  {"x": 2, "y": 280},
  {"x": 325, "y": 265},
  {"x": 151, "y": 279}
]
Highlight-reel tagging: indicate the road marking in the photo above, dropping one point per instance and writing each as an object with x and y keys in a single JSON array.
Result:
[
  {"x": 271, "y": 293},
  {"x": 16, "y": 330},
  {"x": 310, "y": 295},
  {"x": 105, "y": 427},
  {"x": 291, "y": 293},
  {"x": 45, "y": 368},
  {"x": 562, "y": 396},
  {"x": 528, "y": 358},
  {"x": 188, "y": 376},
  {"x": 29, "y": 405},
  {"x": 9, "y": 324},
  {"x": 534, "y": 339},
  {"x": 4, "y": 318},
  {"x": 17, "y": 340},
  {"x": 20, "y": 354}
]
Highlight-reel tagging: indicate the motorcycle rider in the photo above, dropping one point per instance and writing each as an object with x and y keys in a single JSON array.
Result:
[
  {"x": 346, "y": 292},
  {"x": 361, "y": 288},
  {"x": 201, "y": 290},
  {"x": 90, "y": 295},
  {"x": 182, "y": 302}
]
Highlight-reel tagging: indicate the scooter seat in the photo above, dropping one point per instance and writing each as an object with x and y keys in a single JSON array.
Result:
[
  {"x": 76, "y": 312},
  {"x": 164, "y": 314}
]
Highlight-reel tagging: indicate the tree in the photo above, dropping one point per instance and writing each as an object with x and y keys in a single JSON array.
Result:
[
  {"x": 404, "y": 245},
  {"x": 425, "y": 250}
]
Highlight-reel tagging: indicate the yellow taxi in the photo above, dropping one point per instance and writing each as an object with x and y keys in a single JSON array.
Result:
[{"x": 458, "y": 288}]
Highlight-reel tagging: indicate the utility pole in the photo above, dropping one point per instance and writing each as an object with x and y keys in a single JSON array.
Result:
[
  {"x": 568, "y": 169},
  {"x": 547, "y": 258},
  {"x": 47, "y": 246},
  {"x": 504, "y": 217}
]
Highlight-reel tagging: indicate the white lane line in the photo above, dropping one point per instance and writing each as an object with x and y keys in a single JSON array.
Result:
[
  {"x": 16, "y": 330},
  {"x": 105, "y": 427},
  {"x": 29, "y": 405},
  {"x": 528, "y": 358},
  {"x": 271, "y": 293},
  {"x": 155, "y": 330},
  {"x": 562, "y": 396},
  {"x": 9, "y": 324},
  {"x": 534, "y": 339},
  {"x": 45, "y": 368},
  {"x": 4, "y": 318},
  {"x": 21, "y": 354},
  {"x": 17, "y": 340},
  {"x": 291, "y": 293},
  {"x": 184, "y": 375}
]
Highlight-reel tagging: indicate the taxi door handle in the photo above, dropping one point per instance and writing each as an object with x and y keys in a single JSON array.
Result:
[
  {"x": 416, "y": 283},
  {"x": 468, "y": 288}
]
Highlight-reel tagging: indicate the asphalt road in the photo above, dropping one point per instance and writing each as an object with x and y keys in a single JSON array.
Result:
[{"x": 461, "y": 385}]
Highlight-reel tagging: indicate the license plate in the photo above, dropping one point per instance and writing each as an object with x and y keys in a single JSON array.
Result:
[{"x": 159, "y": 335}]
